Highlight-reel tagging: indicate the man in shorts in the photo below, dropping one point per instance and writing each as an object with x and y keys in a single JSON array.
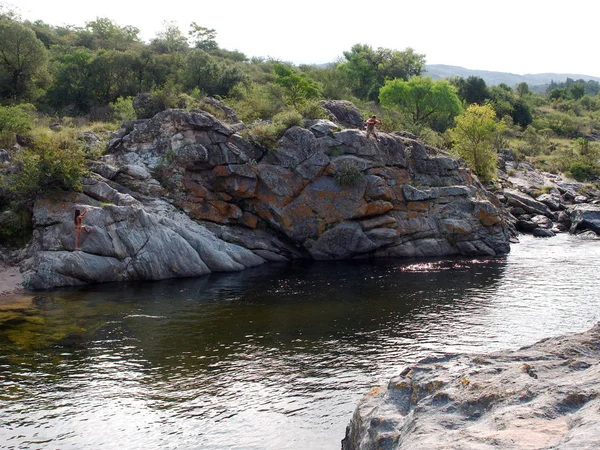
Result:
[{"x": 371, "y": 124}]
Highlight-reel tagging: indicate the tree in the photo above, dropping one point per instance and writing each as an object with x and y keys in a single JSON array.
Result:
[
  {"x": 521, "y": 113},
  {"x": 577, "y": 90},
  {"x": 71, "y": 84},
  {"x": 104, "y": 33},
  {"x": 522, "y": 89},
  {"x": 112, "y": 76},
  {"x": 472, "y": 89},
  {"x": 424, "y": 100},
  {"x": 474, "y": 136},
  {"x": 169, "y": 39},
  {"x": 23, "y": 61},
  {"x": 211, "y": 75},
  {"x": 297, "y": 86},
  {"x": 203, "y": 38},
  {"x": 369, "y": 69}
]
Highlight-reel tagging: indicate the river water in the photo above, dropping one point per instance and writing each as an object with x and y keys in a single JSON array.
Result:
[{"x": 270, "y": 358}]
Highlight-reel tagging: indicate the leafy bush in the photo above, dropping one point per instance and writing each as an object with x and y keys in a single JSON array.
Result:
[
  {"x": 348, "y": 175},
  {"x": 256, "y": 101},
  {"x": 15, "y": 120},
  {"x": 267, "y": 135},
  {"x": 583, "y": 170},
  {"x": 288, "y": 119},
  {"x": 51, "y": 163},
  {"x": 264, "y": 135},
  {"x": 312, "y": 110},
  {"x": 561, "y": 123},
  {"x": 123, "y": 109}
]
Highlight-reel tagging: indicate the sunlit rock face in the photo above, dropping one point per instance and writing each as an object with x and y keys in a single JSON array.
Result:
[
  {"x": 325, "y": 192},
  {"x": 541, "y": 396}
]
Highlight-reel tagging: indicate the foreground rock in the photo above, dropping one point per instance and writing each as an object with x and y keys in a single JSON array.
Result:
[
  {"x": 542, "y": 396},
  {"x": 183, "y": 194}
]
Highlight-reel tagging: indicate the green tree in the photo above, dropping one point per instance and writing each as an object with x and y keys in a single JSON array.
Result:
[
  {"x": 368, "y": 69},
  {"x": 424, "y": 100},
  {"x": 557, "y": 94},
  {"x": 522, "y": 89},
  {"x": 111, "y": 76},
  {"x": 297, "y": 87},
  {"x": 169, "y": 40},
  {"x": 334, "y": 82},
  {"x": 577, "y": 90},
  {"x": 212, "y": 76},
  {"x": 23, "y": 61},
  {"x": 474, "y": 136},
  {"x": 203, "y": 38},
  {"x": 521, "y": 113},
  {"x": 105, "y": 33},
  {"x": 71, "y": 84},
  {"x": 471, "y": 89}
]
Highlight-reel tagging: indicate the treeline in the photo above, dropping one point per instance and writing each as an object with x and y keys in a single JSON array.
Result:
[{"x": 97, "y": 70}]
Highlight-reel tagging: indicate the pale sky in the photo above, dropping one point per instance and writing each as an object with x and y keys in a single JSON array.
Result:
[{"x": 517, "y": 36}]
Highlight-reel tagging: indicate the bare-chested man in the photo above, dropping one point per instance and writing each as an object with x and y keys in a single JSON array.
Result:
[{"x": 371, "y": 124}]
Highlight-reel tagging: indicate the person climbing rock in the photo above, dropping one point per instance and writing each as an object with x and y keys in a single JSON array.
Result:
[
  {"x": 79, "y": 226},
  {"x": 371, "y": 124}
]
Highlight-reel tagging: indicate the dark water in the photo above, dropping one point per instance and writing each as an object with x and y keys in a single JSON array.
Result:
[{"x": 270, "y": 358}]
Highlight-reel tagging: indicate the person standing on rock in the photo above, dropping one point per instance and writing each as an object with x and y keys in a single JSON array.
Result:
[
  {"x": 79, "y": 226},
  {"x": 371, "y": 124}
]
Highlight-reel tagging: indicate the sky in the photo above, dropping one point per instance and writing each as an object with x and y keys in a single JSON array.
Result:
[{"x": 517, "y": 36}]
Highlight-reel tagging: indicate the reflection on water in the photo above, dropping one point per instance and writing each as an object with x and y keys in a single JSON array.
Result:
[{"x": 270, "y": 358}]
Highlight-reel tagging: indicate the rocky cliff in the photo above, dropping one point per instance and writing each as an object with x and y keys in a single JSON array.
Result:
[
  {"x": 542, "y": 396},
  {"x": 184, "y": 193}
]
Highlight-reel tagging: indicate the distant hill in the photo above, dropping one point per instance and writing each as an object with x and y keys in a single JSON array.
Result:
[{"x": 438, "y": 71}]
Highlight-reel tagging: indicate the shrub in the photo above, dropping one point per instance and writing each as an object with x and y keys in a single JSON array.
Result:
[
  {"x": 312, "y": 110},
  {"x": 51, "y": 163},
  {"x": 267, "y": 135},
  {"x": 288, "y": 119},
  {"x": 348, "y": 175},
  {"x": 122, "y": 109},
  {"x": 561, "y": 123},
  {"x": 583, "y": 170},
  {"x": 256, "y": 101},
  {"x": 15, "y": 120}
]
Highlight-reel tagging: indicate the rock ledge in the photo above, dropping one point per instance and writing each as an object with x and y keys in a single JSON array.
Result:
[{"x": 542, "y": 396}]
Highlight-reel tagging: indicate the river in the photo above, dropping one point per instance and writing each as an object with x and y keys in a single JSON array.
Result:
[{"x": 270, "y": 358}]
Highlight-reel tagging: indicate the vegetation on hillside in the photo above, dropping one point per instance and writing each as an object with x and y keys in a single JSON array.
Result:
[{"x": 74, "y": 77}]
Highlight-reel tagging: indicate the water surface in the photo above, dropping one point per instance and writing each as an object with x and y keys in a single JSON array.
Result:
[{"x": 270, "y": 358}]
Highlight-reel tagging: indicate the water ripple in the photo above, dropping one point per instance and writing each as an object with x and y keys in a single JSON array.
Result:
[{"x": 274, "y": 357}]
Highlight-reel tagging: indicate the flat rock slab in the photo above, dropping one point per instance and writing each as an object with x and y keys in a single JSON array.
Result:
[{"x": 542, "y": 396}]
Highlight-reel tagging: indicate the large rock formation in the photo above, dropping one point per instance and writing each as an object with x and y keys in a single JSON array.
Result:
[
  {"x": 542, "y": 396},
  {"x": 324, "y": 193}
]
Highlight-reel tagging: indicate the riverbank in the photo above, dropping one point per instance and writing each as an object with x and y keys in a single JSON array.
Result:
[
  {"x": 10, "y": 280},
  {"x": 541, "y": 396}
]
